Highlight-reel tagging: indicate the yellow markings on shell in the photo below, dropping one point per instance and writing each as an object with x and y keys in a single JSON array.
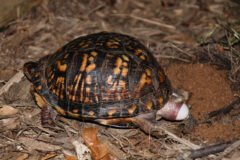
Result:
[
  {"x": 70, "y": 88},
  {"x": 125, "y": 64},
  {"x": 90, "y": 67},
  {"x": 86, "y": 45},
  {"x": 74, "y": 115},
  {"x": 39, "y": 87},
  {"x": 91, "y": 113},
  {"x": 62, "y": 91},
  {"x": 116, "y": 71},
  {"x": 88, "y": 90},
  {"x": 60, "y": 80},
  {"x": 122, "y": 84},
  {"x": 51, "y": 78},
  {"x": 110, "y": 55},
  {"x": 149, "y": 105},
  {"x": 137, "y": 52},
  {"x": 124, "y": 72},
  {"x": 90, "y": 59},
  {"x": 142, "y": 57},
  {"x": 66, "y": 55},
  {"x": 112, "y": 44},
  {"x": 148, "y": 81},
  {"x": 41, "y": 102},
  {"x": 109, "y": 80},
  {"x": 54, "y": 91},
  {"x": 89, "y": 79},
  {"x": 94, "y": 53},
  {"x": 61, "y": 95},
  {"x": 160, "y": 100},
  {"x": 82, "y": 43},
  {"x": 60, "y": 110},
  {"x": 114, "y": 87},
  {"x": 109, "y": 44},
  {"x": 132, "y": 109},
  {"x": 87, "y": 100},
  {"x": 58, "y": 89},
  {"x": 118, "y": 64},
  {"x": 125, "y": 58},
  {"x": 161, "y": 76},
  {"x": 37, "y": 74},
  {"x": 148, "y": 72},
  {"x": 61, "y": 67},
  {"x": 75, "y": 111},
  {"x": 95, "y": 91},
  {"x": 76, "y": 86},
  {"x": 142, "y": 82},
  {"x": 118, "y": 97},
  {"x": 117, "y": 39},
  {"x": 144, "y": 79},
  {"x": 81, "y": 93},
  {"x": 84, "y": 62},
  {"x": 111, "y": 112}
]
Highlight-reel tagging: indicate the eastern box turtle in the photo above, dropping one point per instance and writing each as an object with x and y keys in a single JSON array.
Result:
[{"x": 108, "y": 78}]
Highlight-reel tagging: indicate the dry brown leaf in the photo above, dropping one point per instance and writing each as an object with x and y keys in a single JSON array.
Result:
[
  {"x": 70, "y": 157},
  {"x": 9, "y": 123},
  {"x": 98, "y": 150},
  {"x": 32, "y": 144},
  {"x": 7, "y": 111}
]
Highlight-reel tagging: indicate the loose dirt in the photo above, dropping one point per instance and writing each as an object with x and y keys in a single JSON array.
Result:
[{"x": 210, "y": 91}]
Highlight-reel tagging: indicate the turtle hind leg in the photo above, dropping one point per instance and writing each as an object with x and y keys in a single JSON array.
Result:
[
  {"x": 149, "y": 124},
  {"x": 117, "y": 122}
]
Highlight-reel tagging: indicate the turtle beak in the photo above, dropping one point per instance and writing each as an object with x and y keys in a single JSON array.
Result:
[{"x": 174, "y": 109}]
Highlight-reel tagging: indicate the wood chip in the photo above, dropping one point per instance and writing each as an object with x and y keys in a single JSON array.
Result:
[
  {"x": 32, "y": 144},
  {"x": 15, "y": 79},
  {"x": 83, "y": 152},
  {"x": 7, "y": 111},
  {"x": 9, "y": 123}
]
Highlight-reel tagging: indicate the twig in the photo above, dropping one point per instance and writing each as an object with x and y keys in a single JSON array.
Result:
[
  {"x": 172, "y": 57},
  {"x": 15, "y": 79},
  {"x": 230, "y": 149},
  {"x": 183, "y": 141},
  {"x": 167, "y": 26},
  {"x": 174, "y": 46},
  {"x": 224, "y": 110},
  {"x": 209, "y": 150}
]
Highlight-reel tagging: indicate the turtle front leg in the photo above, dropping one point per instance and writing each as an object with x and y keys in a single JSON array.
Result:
[
  {"x": 48, "y": 115},
  {"x": 149, "y": 124}
]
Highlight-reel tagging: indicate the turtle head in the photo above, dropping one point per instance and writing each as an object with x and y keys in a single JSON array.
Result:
[
  {"x": 30, "y": 69},
  {"x": 175, "y": 108}
]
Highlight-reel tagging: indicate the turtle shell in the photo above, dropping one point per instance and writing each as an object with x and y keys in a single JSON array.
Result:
[{"x": 102, "y": 75}]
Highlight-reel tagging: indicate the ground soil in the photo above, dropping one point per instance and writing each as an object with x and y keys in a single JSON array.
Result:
[{"x": 210, "y": 90}]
